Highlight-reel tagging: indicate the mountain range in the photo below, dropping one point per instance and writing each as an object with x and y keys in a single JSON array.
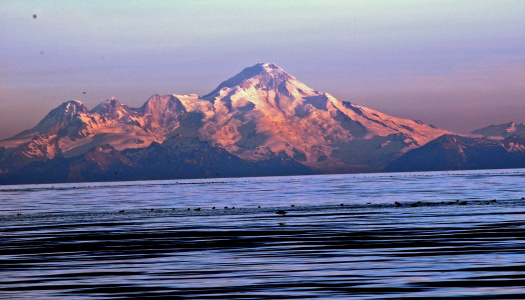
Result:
[{"x": 262, "y": 121}]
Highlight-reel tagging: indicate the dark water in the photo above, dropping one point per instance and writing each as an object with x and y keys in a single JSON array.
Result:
[{"x": 139, "y": 240}]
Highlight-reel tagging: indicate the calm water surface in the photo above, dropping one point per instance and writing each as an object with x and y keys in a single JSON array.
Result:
[{"x": 453, "y": 234}]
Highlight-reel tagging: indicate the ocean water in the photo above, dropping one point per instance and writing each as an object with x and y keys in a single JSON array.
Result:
[{"x": 452, "y": 234}]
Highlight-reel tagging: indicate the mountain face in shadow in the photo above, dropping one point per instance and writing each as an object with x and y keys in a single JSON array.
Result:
[
  {"x": 454, "y": 152},
  {"x": 176, "y": 158}
]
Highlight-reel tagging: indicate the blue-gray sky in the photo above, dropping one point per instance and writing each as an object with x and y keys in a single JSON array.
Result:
[{"x": 459, "y": 65}]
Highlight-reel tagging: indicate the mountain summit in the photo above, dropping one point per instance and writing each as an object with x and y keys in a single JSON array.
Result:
[
  {"x": 260, "y": 113},
  {"x": 262, "y": 75},
  {"x": 263, "y": 108},
  {"x": 501, "y": 131}
]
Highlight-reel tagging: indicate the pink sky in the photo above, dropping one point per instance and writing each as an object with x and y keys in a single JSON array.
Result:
[{"x": 456, "y": 64}]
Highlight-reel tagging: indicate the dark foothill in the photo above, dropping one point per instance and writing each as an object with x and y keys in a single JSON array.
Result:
[
  {"x": 398, "y": 204},
  {"x": 259, "y": 206},
  {"x": 292, "y": 205},
  {"x": 197, "y": 209},
  {"x": 414, "y": 205},
  {"x": 213, "y": 207},
  {"x": 342, "y": 204},
  {"x": 152, "y": 209},
  {"x": 281, "y": 212},
  {"x": 463, "y": 203},
  {"x": 121, "y": 211}
]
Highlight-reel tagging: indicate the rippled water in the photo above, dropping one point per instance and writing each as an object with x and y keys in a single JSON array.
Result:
[{"x": 454, "y": 234}]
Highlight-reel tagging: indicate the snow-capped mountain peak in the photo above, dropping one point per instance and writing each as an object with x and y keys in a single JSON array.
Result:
[
  {"x": 72, "y": 107},
  {"x": 264, "y": 76},
  {"x": 261, "y": 111},
  {"x": 284, "y": 114},
  {"x": 111, "y": 103},
  {"x": 60, "y": 116},
  {"x": 501, "y": 131},
  {"x": 161, "y": 104}
]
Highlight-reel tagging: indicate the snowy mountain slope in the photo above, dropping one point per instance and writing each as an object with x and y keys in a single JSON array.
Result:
[
  {"x": 258, "y": 113},
  {"x": 263, "y": 107},
  {"x": 501, "y": 131},
  {"x": 71, "y": 129}
]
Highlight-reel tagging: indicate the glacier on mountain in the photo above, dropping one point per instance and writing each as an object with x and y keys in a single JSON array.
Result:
[{"x": 261, "y": 111}]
